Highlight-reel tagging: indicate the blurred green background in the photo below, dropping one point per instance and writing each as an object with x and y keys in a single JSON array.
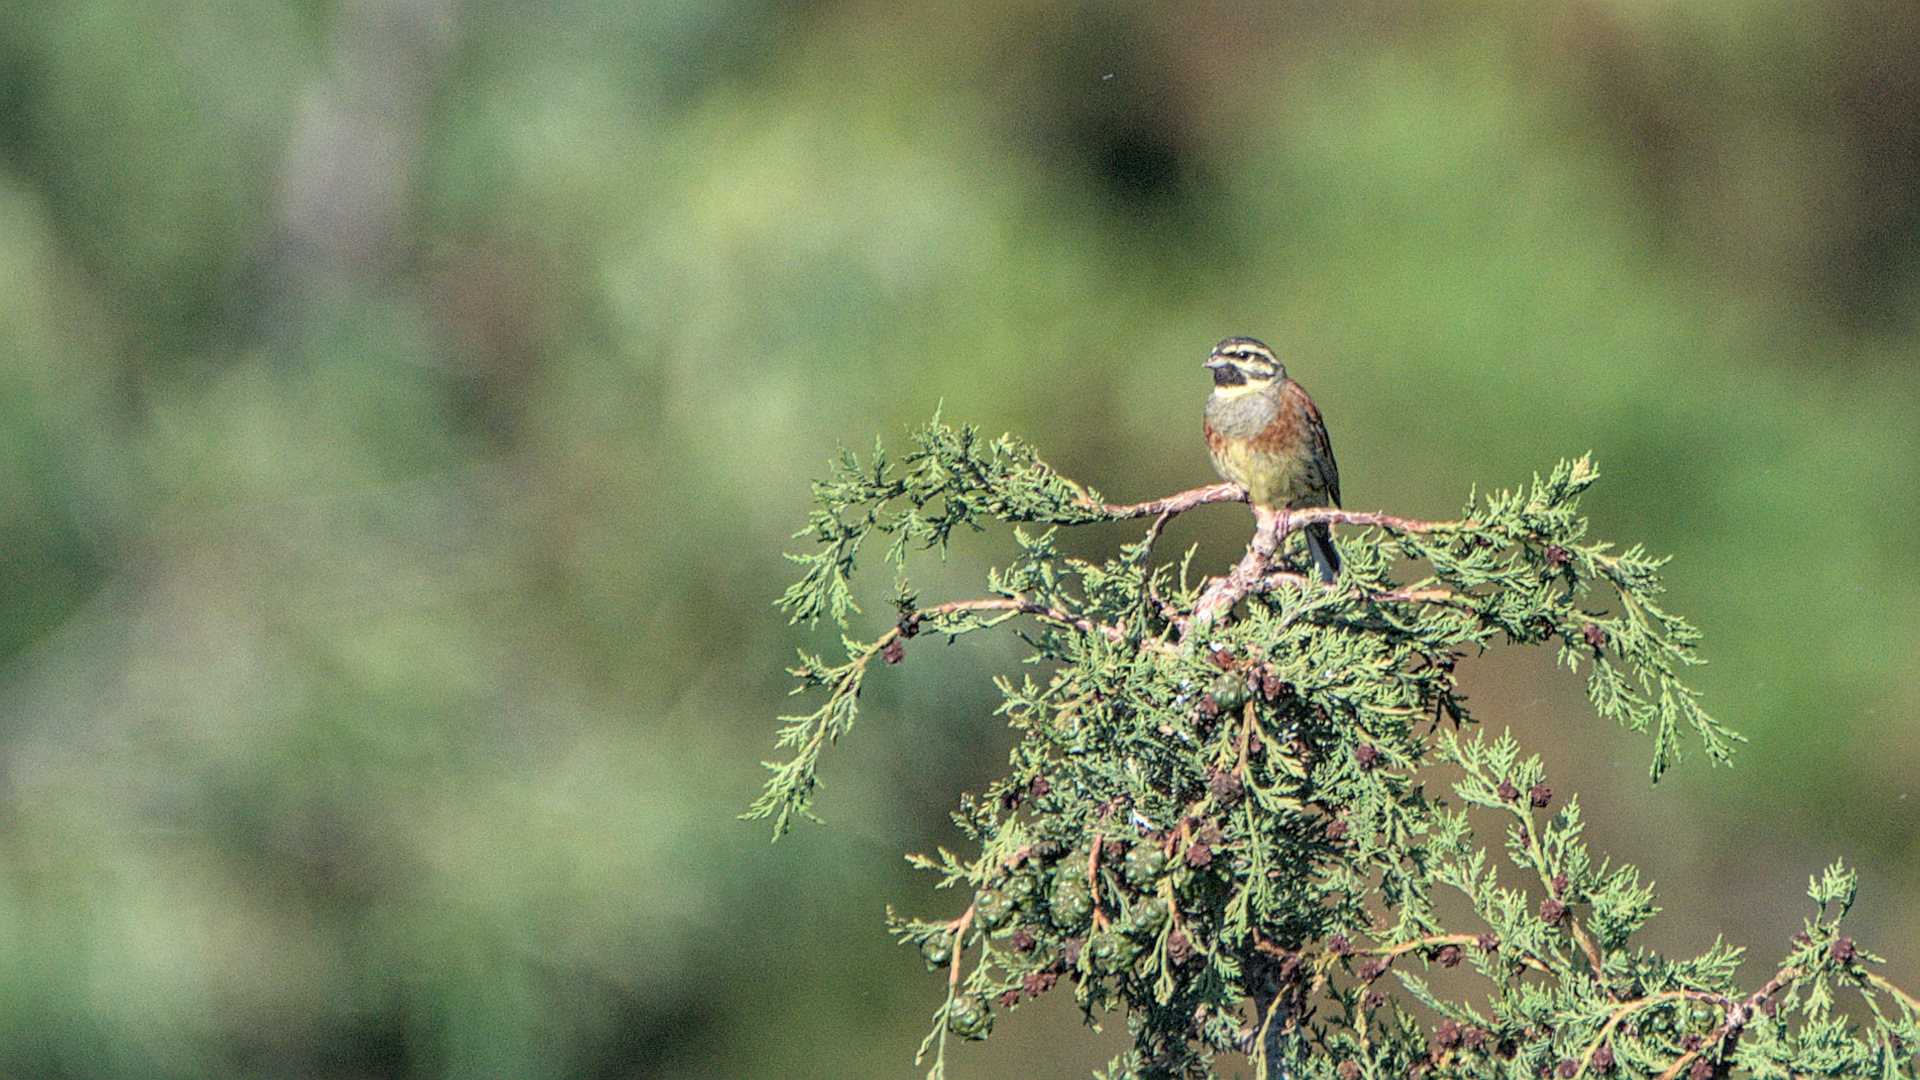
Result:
[{"x": 404, "y": 406}]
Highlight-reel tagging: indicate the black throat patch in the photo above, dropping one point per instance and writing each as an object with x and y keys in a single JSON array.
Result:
[{"x": 1229, "y": 375}]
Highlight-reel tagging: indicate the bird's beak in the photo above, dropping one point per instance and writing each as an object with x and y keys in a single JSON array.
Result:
[{"x": 1215, "y": 362}]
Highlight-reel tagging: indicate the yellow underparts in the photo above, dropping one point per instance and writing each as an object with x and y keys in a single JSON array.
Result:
[{"x": 1271, "y": 480}]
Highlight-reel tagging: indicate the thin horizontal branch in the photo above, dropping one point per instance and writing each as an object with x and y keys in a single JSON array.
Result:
[
  {"x": 1021, "y": 605},
  {"x": 1174, "y": 504},
  {"x": 1254, "y": 574},
  {"x": 1334, "y": 516},
  {"x": 1275, "y": 578},
  {"x": 1433, "y": 941},
  {"x": 1440, "y": 941},
  {"x": 1221, "y": 493},
  {"x": 1421, "y": 596}
]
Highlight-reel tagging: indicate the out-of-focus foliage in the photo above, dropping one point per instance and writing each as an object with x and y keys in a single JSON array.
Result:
[{"x": 405, "y": 405}]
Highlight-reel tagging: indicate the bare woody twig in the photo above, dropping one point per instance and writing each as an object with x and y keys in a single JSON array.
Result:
[
  {"x": 1013, "y": 605},
  {"x": 1225, "y": 592},
  {"x": 1219, "y": 493},
  {"x": 1174, "y": 504},
  {"x": 958, "y": 928},
  {"x": 1253, "y": 574}
]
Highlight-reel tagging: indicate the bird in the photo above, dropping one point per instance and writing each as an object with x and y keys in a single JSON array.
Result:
[{"x": 1264, "y": 433}]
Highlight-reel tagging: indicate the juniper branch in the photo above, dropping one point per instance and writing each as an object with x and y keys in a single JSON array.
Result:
[{"x": 1217, "y": 816}]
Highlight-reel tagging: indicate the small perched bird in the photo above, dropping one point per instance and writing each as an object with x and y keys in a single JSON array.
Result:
[{"x": 1264, "y": 434}]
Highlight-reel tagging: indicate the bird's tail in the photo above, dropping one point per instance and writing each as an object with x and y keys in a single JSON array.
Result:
[{"x": 1320, "y": 545}]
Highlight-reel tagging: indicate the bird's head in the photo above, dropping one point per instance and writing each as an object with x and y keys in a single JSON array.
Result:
[{"x": 1242, "y": 365}]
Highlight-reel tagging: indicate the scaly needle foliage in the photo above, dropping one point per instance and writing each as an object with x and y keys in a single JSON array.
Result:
[{"x": 1217, "y": 820}]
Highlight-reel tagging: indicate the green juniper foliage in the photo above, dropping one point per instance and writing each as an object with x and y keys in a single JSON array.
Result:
[{"x": 1221, "y": 826}]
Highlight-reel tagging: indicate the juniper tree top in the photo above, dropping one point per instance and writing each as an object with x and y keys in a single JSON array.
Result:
[{"x": 1219, "y": 819}]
